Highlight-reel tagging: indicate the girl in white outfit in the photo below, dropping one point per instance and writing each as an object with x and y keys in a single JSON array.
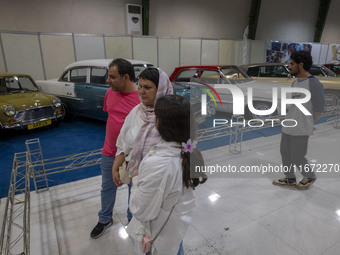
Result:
[{"x": 162, "y": 200}]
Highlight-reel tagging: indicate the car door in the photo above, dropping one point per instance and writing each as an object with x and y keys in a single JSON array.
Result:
[{"x": 92, "y": 92}]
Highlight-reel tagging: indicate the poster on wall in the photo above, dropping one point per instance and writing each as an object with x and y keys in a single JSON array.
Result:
[
  {"x": 279, "y": 52},
  {"x": 333, "y": 53}
]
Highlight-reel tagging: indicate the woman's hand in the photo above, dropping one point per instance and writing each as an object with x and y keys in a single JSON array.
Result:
[
  {"x": 146, "y": 242},
  {"x": 116, "y": 178},
  {"x": 134, "y": 174}
]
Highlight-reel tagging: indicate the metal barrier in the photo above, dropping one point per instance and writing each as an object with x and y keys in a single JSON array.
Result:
[{"x": 15, "y": 231}]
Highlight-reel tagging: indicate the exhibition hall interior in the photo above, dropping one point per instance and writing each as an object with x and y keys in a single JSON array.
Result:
[{"x": 231, "y": 60}]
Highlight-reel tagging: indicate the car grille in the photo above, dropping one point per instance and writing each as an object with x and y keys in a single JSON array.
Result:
[{"x": 35, "y": 113}]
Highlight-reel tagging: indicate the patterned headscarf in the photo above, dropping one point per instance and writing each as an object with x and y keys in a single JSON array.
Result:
[{"x": 148, "y": 135}]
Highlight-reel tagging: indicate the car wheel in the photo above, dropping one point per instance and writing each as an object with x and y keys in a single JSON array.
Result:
[
  {"x": 331, "y": 99},
  {"x": 260, "y": 106},
  {"x": 67, "y": 114}
]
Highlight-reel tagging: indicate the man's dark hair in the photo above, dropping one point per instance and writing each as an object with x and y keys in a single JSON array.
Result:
[
  {"x": 124, "y": 67},
  {"x": 151, "y": 74},
  {"x": 304, "y": 57}
]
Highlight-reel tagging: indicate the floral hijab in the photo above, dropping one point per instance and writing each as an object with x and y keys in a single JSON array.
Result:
[{"x": 148, "y": 135}]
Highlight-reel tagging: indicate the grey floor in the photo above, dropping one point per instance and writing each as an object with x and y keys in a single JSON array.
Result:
[{"x": 236, "y": 214}]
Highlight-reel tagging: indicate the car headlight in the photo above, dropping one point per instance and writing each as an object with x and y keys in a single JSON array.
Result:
[
  {"x": 9, "y": 110},
  {"x": 56, "y": 102}
]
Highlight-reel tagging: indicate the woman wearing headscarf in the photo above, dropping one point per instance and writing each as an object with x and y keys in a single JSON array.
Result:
[{"x": 138, "y": 133}]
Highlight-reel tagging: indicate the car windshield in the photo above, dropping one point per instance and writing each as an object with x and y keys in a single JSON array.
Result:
[
  {"x": 16, "y": 84},
  {"x": 328, "y": 71},
  {"x": 138, "y": 69},
  {"x": 321, "y": 71},
  {"x": 235, "y": 74}
]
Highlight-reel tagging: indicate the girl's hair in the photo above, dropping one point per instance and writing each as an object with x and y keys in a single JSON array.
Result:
[
  {"x": 176, "y": 123},
  {"x": 151, "y": 74}
]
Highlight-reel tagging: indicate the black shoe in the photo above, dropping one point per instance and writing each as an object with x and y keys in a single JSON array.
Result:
[{"x": 99, "y": 229}]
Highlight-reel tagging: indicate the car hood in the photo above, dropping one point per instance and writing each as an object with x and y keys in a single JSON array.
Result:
[{"x": 26, "y": 100}]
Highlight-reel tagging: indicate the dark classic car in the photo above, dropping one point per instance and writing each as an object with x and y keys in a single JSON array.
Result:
[
  {"x": 335, "y": 67},
  {"x": 279, "y": 72},
  {"x": 23, "y": 106}
]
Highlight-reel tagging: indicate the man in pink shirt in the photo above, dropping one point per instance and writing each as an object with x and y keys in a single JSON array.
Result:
[{"x": 119, "y": 101}]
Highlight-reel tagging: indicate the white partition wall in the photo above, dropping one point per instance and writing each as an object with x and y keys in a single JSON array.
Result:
[
  {"x": 22, "y": 54},
  {"x": 226, "y": 52},
  {"x": 145, "y": 48},
  {"x": 324, "y": 53},
  {"x": 257, "y": 52},
  {"x": 45, "y": 55},
  {"x": 89, "y": 47},
  {"x": 2, "y": 62},
  {"x": 190, "y": 52},
  {"x": 209, "y": 54},
  {"x": 58, "y": 52},
  {"x": 168, "y": 54},
  {"x": 118, "y": 47}
]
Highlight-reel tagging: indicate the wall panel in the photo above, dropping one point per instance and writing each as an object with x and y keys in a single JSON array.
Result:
[
  {"x": 190, "y": 52},
  {"x": 118, "y": 47},
  {"x": 209, "y": 54},
  {"x": 58, "y": 52},
  {"x": 89, "y": 47},
  {"x": 226, "y": 52},
  {"x": 168, "y": 54},
  {"x": 145, "y": 48},
  {"x": 22, "y": 53},
  {"x": 2, "y": 58},
  {"x": 257, "y": 52}
]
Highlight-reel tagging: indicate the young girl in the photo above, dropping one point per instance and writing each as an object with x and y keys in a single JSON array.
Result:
[{"x": 162, "y": 200}]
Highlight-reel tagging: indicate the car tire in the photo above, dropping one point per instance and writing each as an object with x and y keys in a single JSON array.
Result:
[
  {"x": 67, "y": 115},
  {"x": 259, "y": 105}
]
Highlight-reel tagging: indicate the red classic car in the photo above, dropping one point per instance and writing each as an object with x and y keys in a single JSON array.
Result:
[{"x": 219, "y": 76}]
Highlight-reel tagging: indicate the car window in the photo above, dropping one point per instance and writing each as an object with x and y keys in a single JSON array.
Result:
[
  {"x": 233, "y": 72},
  {"x": 98, "y": 75},
  {"x": 27, "y": 84},
  {"x": 327, "y": 71},
  {"x": 16, "y": 84},
  {"x": 316, "y": 71},
  {"x": 64, "y": 77},
  {"x": 253, "y": 71},
  {"x": 78, "y": 75},
  {"x": 211, "y": 77},
  {"x": 186, "y": 75},
  {"x": 138, "y": 69}
]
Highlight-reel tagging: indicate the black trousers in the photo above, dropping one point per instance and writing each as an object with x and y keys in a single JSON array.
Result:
[{"x": 293, "y": 151}]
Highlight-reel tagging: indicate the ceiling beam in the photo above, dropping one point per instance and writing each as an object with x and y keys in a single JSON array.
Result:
[
  {"x": 321, "y": 19},
  {"x": 145, "y": 13},
  {"x": 253, "y": 18}
]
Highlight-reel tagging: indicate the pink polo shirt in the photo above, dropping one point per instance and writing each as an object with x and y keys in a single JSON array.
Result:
[{"x": 118, "y": 105}]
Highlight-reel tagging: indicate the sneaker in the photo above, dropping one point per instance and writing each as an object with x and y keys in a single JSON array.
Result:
[
  {"x": 305, "y": 183},
  {"x": 285, "y": 182},
  {"x": 99, "y": 229}
]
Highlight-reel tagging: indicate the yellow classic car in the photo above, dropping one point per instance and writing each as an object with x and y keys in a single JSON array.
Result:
[
  {"x": 279, "y": 72},
  {"x": 23, "y": 106}
]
